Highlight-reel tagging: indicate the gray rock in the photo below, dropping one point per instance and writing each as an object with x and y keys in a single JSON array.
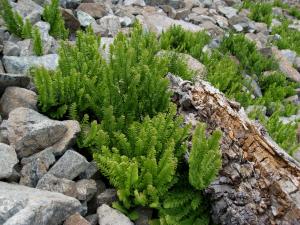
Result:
[
  {"x": 110, "y": 23},
  {"x": 52, "y": 183},
  {"x": 4, "y": 132},
  {"x": 26, "y": 47},
  {"x": 110, "y": 216},
  {"x": 29, "y": 9},
  {"x": 253, "y": 85},
  {"x": 125, "y": 21},
  {"x": 253, "y": 108},
  {"x": 13, "y": 64},
  {"x": 135, "y": 2},
  {"x": 95, "y": 10},
  {"x": 71, "y": 4},
  {"x": 289, "y": 55},
  {"x": 73, "y": 129},
  {"x": 233, "y": 2},
  {"x": 69, "y": 166},
  {"x": 238, "y": 27},
  {"x": 107, "y": 197},
  {"x": 15, "y": 97},
  {"x": 8, "y": 159},
  {"x": 275, "y": 23},
  {"x": 49, "y": 43},
  {"x": 86, "y": 189},
  {"x": 105, "y": 46},
  {"x": 297, "y": 63},
  {"x": 228, "y": 12},
  {"x": 145, "y": 215},
  {"x": 46, "y": 156},
  {"x": 93, "y": 219},
  {"x": 28, "y": 206},
  {"x": 90, "y": 171},
  {"x": 7, "y": 80},
  {"x": 84, "y": 18},
  {"x": 11, "y": 49},
  {"x": 1, "y": 68},
  {"x": 32, "y": 172},
  {"x": 221, "y": 21},
  {"x": 71, "y": 22},
  {"x": 30, "y": 132}
]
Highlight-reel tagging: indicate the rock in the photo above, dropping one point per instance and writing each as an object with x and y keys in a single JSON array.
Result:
[
  {"x": 73, "y": 129},
  {"x": 289, "y": 55},
  {"x": 52, "y": 183},
  {"x": 69, "y": 166},
  {"x": 233, "y": 2},
  {"x": 32, "y": 172},
  {"x": 29, "y": 9},
  {"x": 254, "y": 85},
  {"x": 7, "y": 80},
  {"x": 26, "y": 47},
  {"x": 86, "y": 189},
  {"x": 238, "y": 27},
  {"x": 275, "y": 23},
  {"x": 30, "y": 132},
  {"x": 134, "y": 3},
  {"x": 28, "y": 206},
  {"x": 110, "y": 216},
  {"x": 169, "y": 10},
  {"x": 76, "y": 219},
  {"x": 70, "y": 4},
  {"x": 221, "y": 21},
  {"x": 49, "y": 43},
  {"x": 84, "y": 18},
  {"x": 285, "y": 66},
  {"x": 110, "y": 23},
  {"x": 145, "y": 215},
  {"x": 297, "y": 63},
  {"x": 93, "y": 219},
  {"x": 15, "y": 97},
  {"x": 107, "y": 197},
  {"x": 125, "y": 21},
  {"x": 1, "y": 68},
  {"x": 96, "y": 10},
  {"x": 90, "y": 171},
  {"x": 105, "y": 46},
  {"x": 11, "y": 49},
  {"x": 253, "y": 108},
  {"x": 22, "y": 64},
  {"x": 228, "y": 12},
  {"x": 71, "y": 21},
  {"x": 46, "y": 156},
  {"x": 8, "y": 159},
  {"x": 159, "y": 23},
  {"x": 4, "y": 132}
]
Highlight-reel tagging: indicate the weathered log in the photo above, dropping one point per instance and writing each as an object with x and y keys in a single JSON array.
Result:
[{"x": 259, "y": 181}]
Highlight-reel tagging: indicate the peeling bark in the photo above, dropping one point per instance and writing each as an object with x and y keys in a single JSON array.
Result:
[{"x": 258, "y": 182}]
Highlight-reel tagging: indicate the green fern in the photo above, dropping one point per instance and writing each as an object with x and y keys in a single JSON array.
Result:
[
  {"x": 37, "y": 42},
  {"x": 53, "y": 16},
  {"x": 27, "y": 29}
]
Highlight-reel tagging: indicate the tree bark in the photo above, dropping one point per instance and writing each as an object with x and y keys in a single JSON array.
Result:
[{"x": 258, "y": 182}]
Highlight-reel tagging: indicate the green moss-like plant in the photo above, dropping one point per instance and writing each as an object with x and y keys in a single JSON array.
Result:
[
  {"x": 53, "y": 16},
  {"x": 27, "y": 29},
  {"x": 37, "y": 42}
]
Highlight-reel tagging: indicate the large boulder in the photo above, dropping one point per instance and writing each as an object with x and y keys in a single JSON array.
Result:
[
  {"x": 30, "y": 132},
  {"x": 13, "y": 64},
  {"x": 8, "y": 159},
  {"x": 28, "y": 206}
]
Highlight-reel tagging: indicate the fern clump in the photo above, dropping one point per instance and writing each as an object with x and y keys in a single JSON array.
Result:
[
  {"x": 53, "y": 16},
  {"x": 27, "y": 29},
  {"x": 12, "y": 19},
  {"x": 259, "y": 11},
  {"x": 176, "y": 38},
  {"x": 245, "y": 51},
  {"x": 37, "y": 42}
]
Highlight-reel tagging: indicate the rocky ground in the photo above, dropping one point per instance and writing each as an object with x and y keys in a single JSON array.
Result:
[{"x": 44, "y": 180}]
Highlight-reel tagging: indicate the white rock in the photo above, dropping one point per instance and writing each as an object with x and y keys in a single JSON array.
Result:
[
  {"x": 84, "y": 18},
  {"x": 110, "y": 216},
  {"x": 8, "y": 159}
]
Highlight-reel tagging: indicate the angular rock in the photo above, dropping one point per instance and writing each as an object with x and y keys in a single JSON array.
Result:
[
  {"x": 46, "y": 156},
  {"x": 285, "y": 66},
  {"x": 30, "y": 132},
  {"x": 84, "y": 18},
  {"x": 86, "y": 189},
  {"x": 7, "y": 80},
  {"x": 111, "y": 24},
  {"x": 69, "y": 166},
  {"x": 1, "y": 67},
  {"x": 96, "y": 10},
  {"x": 228, "y": 12},
  {"x": 11, "y": 49},
  {"x": 135, "y": 2},
  {"x": 107, "y": 197},
  {"x": 32, "y": 172},
  {"x": 297, "y": 63},
  {"x": 110, "y": 216},
  {"x": 92, "y": 219},
  {"x": 76, "y": 219},
  {"x": 289, "y": 55},
  {"x": 71, "y": 21},
  {"x": 13, "y": 64},
  {"x": 90, "y": 171},
  {"x": 26, "y": 47},
  {"x": 49, "y": 43},
  {"x": 15, "y": 97},
  {"x": 28, "y": 206},
  {"x": 70, "y": 4},
  {"x": 29, "y": 9},
  {"x": 8, "y": 159},
  {"x": 73, "y": 129},
  {"x": 52, "y": 183}
]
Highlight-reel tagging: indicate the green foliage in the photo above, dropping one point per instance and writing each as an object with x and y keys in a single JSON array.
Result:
[
  {"x": 141, "y": 162},
  {"x": 27, "y": 29},
  {"x": 205, "y": 158},
  {"x": 293, "y": 11},
  {"x": 261, "y": 12},
  {"x": 290, "y": 38},
  {"x": 224, "y": 74},
  {"x": 37, "y": 42},
  {"x": 176, "y": 38},
  {"x": 246, "y": 52},
  {"x": 53, "y": 16},
  {"x": 13, "y": 20}
]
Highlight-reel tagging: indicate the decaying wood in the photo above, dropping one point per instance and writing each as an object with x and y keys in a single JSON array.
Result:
[{"x": 258, "y": 182}]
